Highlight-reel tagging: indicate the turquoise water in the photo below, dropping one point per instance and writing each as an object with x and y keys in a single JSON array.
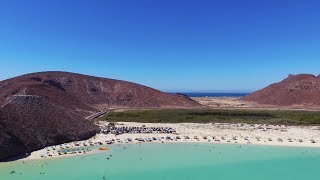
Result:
[{"x": 174, "y": 162}]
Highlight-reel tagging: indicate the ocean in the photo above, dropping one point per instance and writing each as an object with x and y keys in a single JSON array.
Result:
[
  {"x": 216, "y": 94},
  {"x": 175, "y": 161}
]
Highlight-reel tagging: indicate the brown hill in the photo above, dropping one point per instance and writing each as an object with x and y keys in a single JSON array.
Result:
[
  {"x": 43, "y": 109},
  {"x": 297, "y": 91},
  {"x": 30, "y": 122},
  {"x": 89, "y": 93}
]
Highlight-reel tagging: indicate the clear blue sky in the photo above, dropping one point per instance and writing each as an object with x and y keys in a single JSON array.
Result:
[{"x": 172, "y": 45}]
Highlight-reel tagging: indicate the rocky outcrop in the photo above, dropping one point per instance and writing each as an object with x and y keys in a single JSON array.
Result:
[{"x": 31, "y": 122}]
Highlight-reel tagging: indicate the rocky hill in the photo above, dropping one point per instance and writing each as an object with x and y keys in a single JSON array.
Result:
[
  {"x": 297, "y": 91},
  {"x": 30, "y": 122},
  {"x": 43, "y": 109}
]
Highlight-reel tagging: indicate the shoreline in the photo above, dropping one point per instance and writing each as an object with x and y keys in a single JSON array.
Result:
[{"x": 212, "y": 133}]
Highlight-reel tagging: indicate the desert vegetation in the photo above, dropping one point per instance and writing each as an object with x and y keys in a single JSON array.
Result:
[{"x": 283, "y": 117}]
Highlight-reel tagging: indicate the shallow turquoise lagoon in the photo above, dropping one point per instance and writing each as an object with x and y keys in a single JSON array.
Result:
[{"x": 174, "y": 162}]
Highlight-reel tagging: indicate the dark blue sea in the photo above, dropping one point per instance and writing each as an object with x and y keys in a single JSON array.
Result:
[{"x": 216, "y": 94}]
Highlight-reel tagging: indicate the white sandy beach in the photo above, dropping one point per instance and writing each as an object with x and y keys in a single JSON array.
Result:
[{"x": 296, "y": 136}]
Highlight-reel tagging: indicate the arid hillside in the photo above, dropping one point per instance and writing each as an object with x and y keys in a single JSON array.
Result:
[
  {"x": 88, "y": 93},
  {"x": 296, "y": 91},
  {"x": 43, "y": 109}
]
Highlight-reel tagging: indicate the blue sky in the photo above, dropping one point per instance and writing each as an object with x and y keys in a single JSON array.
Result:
[{"x": 172, "y": 45}]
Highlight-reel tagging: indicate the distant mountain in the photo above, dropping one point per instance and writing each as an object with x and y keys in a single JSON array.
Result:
[
  {"x": 297, "y": 90},
  {"x": 47, "y": 108}
]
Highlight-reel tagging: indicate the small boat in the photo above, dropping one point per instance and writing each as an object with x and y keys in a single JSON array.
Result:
[{"x": 104, "y": 149}]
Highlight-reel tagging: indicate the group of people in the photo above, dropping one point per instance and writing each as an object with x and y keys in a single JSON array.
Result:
[{"x": 131, "y": 130}]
